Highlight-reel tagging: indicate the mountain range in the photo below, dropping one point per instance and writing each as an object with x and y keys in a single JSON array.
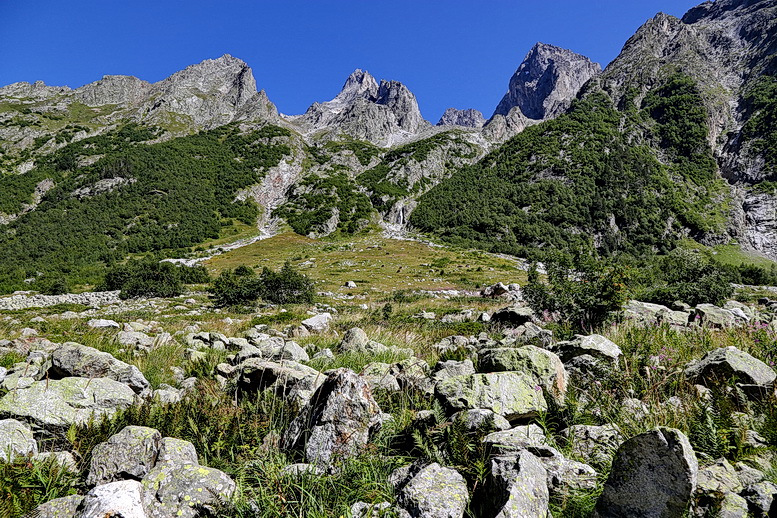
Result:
[{"x": 675, "y": 140}]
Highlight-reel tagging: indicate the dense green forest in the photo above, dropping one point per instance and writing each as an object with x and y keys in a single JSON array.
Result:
[
  {"x": 595, "y": 177},
  {"x": 166, "y": 196}
]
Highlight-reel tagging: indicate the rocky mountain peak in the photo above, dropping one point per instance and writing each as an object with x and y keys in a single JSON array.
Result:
[
  {"x": 469, "y": 118},
  {"x": 359, "y": 85},
  {"x": 380, "y": 113},
  {"x": 213, "y": 92},
  {"x": 546, "y": 82}
]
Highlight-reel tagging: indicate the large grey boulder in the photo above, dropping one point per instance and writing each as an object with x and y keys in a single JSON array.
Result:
[
  {"x": 177, "y": 450},
  {"x": 129, "y": 454},
  {"x": 337, "y": 421},
  {"x": 517, "y": 487},
  {"x": 543, "y": 366},
  {"x": 513, "y": 395},
  {"x": 318, "y": 323},
  {"x": 431, "y": 491},
  {"x": 713, "y": 316},
  {"x": 729, "y": 363},
  {"x": 72, "y": 359},
  {"x": 123, "y": 498},
  {"x": 54, "y": 405},
  {"x": 515, "y": 439},
  {"x": 185, "y": 490},
  {"x": 512, "y": 316},
  {"x": 477, "y": 419},
  {"x": 597, "y": 346},
  {"x": 65, "y": 507},
  {"x": 653, "y": 475},
  {"x": 286, "y": 378},
  {"x": 16, "y": 440},
  {"x": 594, "y": 444}
]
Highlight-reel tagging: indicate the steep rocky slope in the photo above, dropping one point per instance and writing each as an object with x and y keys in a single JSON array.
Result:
[
  {"x": 385, "y": 113},
  {"x": 687, "y": 101},
  {"x": 546, "y": 82}
]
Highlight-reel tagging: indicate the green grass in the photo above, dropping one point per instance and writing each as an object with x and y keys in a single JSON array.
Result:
[{"x": 375, "y": 263}]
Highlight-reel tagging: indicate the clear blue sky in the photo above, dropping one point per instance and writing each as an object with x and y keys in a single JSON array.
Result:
[{"x": 449, "y": 53}]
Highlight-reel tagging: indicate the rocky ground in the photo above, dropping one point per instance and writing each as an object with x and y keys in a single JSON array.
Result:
[{"x": 414, "y": 404}]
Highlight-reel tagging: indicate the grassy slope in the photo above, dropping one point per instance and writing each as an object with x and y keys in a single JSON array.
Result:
[{"x": 375, "y": 263}]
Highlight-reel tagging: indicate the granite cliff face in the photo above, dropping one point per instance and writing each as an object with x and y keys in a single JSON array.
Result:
[
  {"x": 546, "y": 82},
  {"x": 385, "y": 113},
  {"x": 466, "y": 118}
]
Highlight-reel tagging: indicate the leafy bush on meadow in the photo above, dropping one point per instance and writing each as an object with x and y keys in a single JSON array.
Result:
[
  {"x": 242, "y": 286},
  {"x": 149, "y": 278}
]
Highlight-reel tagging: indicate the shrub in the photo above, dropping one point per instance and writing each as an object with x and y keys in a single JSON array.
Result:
[
  {"x": 52, "y": 285},
  {"x": 243, "y": 287},
  {"x": 235, "y": 287},
  {"x": 584, "y": 297},
  {"x": 689, "y": 276},
  {"x": 286, "y": 286},
  {"x": 149, "y": 278}
]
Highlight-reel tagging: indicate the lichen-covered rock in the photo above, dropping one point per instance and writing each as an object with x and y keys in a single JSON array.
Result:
[
  {"x": 318, "y": 323},
  {"x": 365, "y": 510},
  {"x": 65, "y": 507},
  {"x": 595, "y": 444},
  {"x": 478, "y": 419},
  {"x": 54, "y": 405},
  {"x": 177, "y": 450},
  {"x": 72, "y": 359},
  {"x": 512, "y": 395},
  {"x": 286, "y": 378},
  {"x": 450, "y": 368},
  {"x": 725, "y": 364},
  {"x": 175, "y": 490},
  {"x": 515, "y": 439},
  {"x": 517, "y": 487},
  {"x": 544, "y": 366},
  {"x": 653, "y": 475},
  {"x": 16, "y": 440},
  {"x": 129, "y": 454},
  {"x": 431, "y": 491},
  {"x": 123, "y": 498},
  {"x": 337, "y": 421},
  {"x": 713, "y": 316},
  {"x": 596, "y": 346},
  {"x": 761, "y": 498},
  {"x": 733, "y": 506}
]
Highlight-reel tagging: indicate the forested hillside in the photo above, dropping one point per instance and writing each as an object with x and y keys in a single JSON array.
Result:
[
  {"x": 134, "y": 198},
  {"x": 631, "y": 180}
]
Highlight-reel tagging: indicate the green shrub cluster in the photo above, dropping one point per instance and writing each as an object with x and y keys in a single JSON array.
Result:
[
  {"x": 313, "y": 201},
  {"x": 150, "y": 278},
  {"x": 242, "y": 286},
  {"x": 581, "y": 298}
]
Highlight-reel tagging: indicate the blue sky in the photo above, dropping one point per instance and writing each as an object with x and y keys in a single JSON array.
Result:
[{"x": 449, "y": 53}]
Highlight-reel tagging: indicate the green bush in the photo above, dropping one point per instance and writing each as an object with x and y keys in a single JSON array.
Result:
[
  {"x": 24, "y": 485},
  {"x": 237, "y": 287},
  {"x": 243, "y": 287},
  {"x": 52, "y": 284},
  {"x": 688, "y": 276},
  {"x": 583, "y": 297},
  {"x": 286, "y": 286},
  {"x": 149, "y": 278}
]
